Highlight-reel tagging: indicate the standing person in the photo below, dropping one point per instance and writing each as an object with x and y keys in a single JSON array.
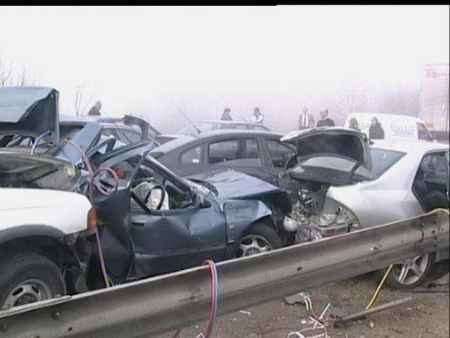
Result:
[
  {"x": 258, "y": 117},
  {"x": 376, "y": 131},
  {"x": 95, "y": 109},
  {"x": 325, "y": 121},
  {"x": 305, "y": 120},
  {"x": 226, "y": 115},
  {"x": 353, "y": 124}
]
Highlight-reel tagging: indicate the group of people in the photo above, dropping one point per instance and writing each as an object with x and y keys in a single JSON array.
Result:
[
  {"x": 376, "y": 131},
  {"x": 306, "y": 120},
  {"x": 257, "y": 118}
]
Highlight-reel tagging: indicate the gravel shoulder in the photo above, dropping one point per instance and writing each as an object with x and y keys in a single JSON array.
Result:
[{"x": 426, "y": 316}]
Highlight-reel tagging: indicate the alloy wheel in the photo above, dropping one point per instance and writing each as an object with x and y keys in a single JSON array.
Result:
[
  {"x": 253, "y": 244},
  {"x": 411, "y": 270}
]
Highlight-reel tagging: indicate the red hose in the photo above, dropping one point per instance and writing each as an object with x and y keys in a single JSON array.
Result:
[{"x": 214, "y": 301}]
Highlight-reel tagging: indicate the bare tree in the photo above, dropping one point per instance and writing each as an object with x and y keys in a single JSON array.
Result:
[
  {"x": 5, "y": 73},
  {"x": 10, "y": 76}
]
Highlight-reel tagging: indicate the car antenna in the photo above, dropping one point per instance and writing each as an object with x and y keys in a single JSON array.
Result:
[{"x": 189, "y": 120}]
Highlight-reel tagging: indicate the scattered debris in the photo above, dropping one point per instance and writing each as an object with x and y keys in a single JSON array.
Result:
[
  {"x": 298, "y": 298},
  {"x": 359, "y": 315},
  {"x": 313, "y": 326}
]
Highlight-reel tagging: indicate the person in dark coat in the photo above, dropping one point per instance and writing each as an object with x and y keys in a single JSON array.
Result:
[
  {"x": 376, "y": 131},
  {"x": 353, "y": 124},
  {"x": 258, "y": 117},
  {"x": 226, "y": 115},
  {"x": 95, "y": 109},
  {"x": 325, "y": 121}
]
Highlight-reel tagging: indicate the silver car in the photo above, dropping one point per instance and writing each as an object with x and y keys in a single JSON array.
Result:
[{"x": 347, "y": 182}]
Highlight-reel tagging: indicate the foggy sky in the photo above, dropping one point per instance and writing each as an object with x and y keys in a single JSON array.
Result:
[{"x": 157, "y": 60}]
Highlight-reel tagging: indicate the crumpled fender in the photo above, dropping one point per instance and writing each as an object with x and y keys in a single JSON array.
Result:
[{"x": 241, "y": 214}]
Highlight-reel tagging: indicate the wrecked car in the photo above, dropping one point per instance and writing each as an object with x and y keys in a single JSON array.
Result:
[
  {"x": 256, "y": 153},
  {"x": 40, "y": 225},
  {"x": 343, "y": 183},
  {"x": 158, "y": 222},
  {"x": 30, "y": 121}
]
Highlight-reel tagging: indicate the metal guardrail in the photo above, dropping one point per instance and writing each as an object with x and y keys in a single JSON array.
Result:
[{"x": 172, "y": 301}]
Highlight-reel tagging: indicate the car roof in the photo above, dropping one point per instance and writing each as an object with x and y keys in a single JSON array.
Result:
[
  {"x": 173, "y": 144},
  {"x": 229, "y": 122},
  {"x": 409, "y": 146},
  {"x": 80, "y": 121},
  {"x": 185, "y": 139},
  {"x": 237, "y": 132}
]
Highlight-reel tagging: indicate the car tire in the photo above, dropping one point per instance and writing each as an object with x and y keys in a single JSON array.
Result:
[
  {"x": 438, "y": 270},
  {"x": 411, "y": 273},
  {"x": 260, "y": 238},
  {"x": 27, "y": 278}
]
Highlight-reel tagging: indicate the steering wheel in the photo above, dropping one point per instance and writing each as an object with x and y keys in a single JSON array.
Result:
[{"x": 105, "y": 181}]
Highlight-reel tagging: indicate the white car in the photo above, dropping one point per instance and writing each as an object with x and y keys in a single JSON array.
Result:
[
  {"x": 347, "y": 182},
  {"x": 39, "y": 228}
]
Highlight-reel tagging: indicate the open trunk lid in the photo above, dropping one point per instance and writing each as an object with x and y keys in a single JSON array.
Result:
[{"x": 330, "y": 155}]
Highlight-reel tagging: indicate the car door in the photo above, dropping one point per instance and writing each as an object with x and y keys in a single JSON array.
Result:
[
  {"x": 239, "y": 153},
  {"x": 431, "y": 182},
  {"x": 180, "y": 237},
  {"x": 113, "y": 213}
]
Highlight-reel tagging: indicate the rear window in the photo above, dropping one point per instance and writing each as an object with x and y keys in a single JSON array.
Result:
[{"x": 383, "y": 159}]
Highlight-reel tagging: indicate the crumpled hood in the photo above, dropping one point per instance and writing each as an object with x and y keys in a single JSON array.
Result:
[
  {"x": 232, "y": 184},
  {"x": 29, "y": 111}
]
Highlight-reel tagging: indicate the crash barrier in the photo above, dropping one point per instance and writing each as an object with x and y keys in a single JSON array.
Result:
[{"x": 166, "y": 303}]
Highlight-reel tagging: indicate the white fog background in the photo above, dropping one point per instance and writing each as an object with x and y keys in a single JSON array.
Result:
[{"x": 158, "y": 61}]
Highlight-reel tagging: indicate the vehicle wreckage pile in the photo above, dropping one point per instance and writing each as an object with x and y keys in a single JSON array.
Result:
[{"x": 91, "y": 202}]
